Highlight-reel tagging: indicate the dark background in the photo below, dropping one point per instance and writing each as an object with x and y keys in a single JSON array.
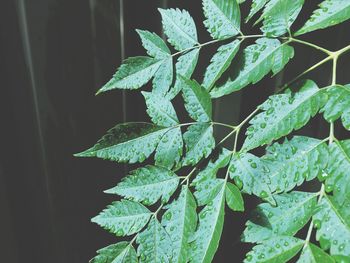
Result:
[{"x": 54, "y": 55}]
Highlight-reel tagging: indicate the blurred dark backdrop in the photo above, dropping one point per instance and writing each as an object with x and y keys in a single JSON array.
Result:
[{"x": 54, "y": 55}]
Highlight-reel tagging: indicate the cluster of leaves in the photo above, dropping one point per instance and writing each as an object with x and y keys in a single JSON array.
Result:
[{"x": 187, "y": 225}]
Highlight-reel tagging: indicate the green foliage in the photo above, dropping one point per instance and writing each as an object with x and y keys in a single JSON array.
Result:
[
  {"x": 330, "y": 13},
  {"x": 123, "y": 218},
  {"x": 179, "y": 27},
  {"x": 147, "y": 185},
  {"x": 333, "y": 227},
  {"x": 223, "y": 18},
  {"x": 338, "y": 105},
  {"x": 160, "y": 110},
  {"x": 313, "y": 254},
  {"x": 250, "y": 174},
  {"x": 220, "y": 63},
  {"x": 278, "y": 249},
  {"x": 279, "y": 15},
  {"x": 180, "y": 220},
  {"x": 190, "y": 179},
  {"x": 291, "y": 163},
  {"x": 199, "y": 143},
  {"x": 258, "y": 60},
  {"x": 185, "y": 67},
  {"x": 121, "y": 252},
  {"x": 284, "y": 113},
  {"x": 155, "y": 244},
  {"x": 197, "y": 100},
  {"x": 129, "y": 142},
  {"x": 133, "y": 73},
  {"x": 211, "y": 221},
  {"x": 292, "y": 212}
]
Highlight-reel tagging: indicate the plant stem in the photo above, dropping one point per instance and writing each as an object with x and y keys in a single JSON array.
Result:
[
  {"x": 334, "y": 71},
  {"x": 328, "y": 52},
  {"x": 304, "y": 73}
]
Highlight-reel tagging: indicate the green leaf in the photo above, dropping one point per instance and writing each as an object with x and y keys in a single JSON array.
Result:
[
  {"x": 123, "y": 218},
  {"x": 313, "y": 254},
  {"x": 169, "y": 150},
  {"x": 338, "y": 105},
  {"x": 258, "y": 60},
  {"x": 121, "y": 252},
  {"x": 180, "y": 28},
  {"x": 127, "y": 142},
  {"x": 223, "y": 18},
  {"x": 256, "y": 6},
  {"x": 250, "y": 174},
  {"x": 337, "y": 172},
  {"x": 185, "y": 67},
  {"x": 295, "y": 161},
  {"x": 207, "y": 237},
  {"x": 160, "y": 110},
  {"x": 234, "y": 198},
  {"x": 199, "y": 143},
  {"x": 155, "y": 245},
  {"x": 147, "y": 185},
  {"x": 220, "y": 63},
  {"x": 333, "y": 223},
  {"x": 292, "y": 213},
  {"x": 180, "y": 222},
  {"x": 279, "y": 15},
  {"x": 133, "y": 73},
  {"x": 206, "y": 184},
  {"x": 164, "y": 77},
  {"x": 278, "y": 249},
  {"x": 284, "y": 113},
  {"x": 197, "y": 100},
  {"x": 154, "y": 44},
  {"x": 330, "y": 13}
]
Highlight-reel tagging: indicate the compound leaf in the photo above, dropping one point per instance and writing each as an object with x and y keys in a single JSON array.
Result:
[
  {"x": 155, "y": 245},
  {"x": 185, "y": 67},
  {"x": 292, "y": 212},
  {"x": 258, "y": 60},
  {"x": 179, "y": 27},
  {"x": 284, "y": 113},
  {"x": 220, "y": 63},
  {"x": 199, "y": 142},
  {"x": 147, "y": 185},
  {"x": 207, "y": 237},
  {"x": 333, "y": 223},
  {"x": 127, "y": 142},
  {"x": 154, "y": 44},
  {"x": 160, "y": 110},
  {"x": 330, "y": 13},
  {"x": 250, "y": 174},
  {"x": 197, "y": 100},
  {"x": 180, "y": 221},
  {"x": 170, "y": 147},
  {"x": 223, "y": 18},
  {"x": 121, "y": 252},
  {"x": 294, "y": 161},
  {"x": 338, "y": 105},
  {"x": 278, "y": 249},
  {"x": 313, "y": 254},
  {"x": 133, "y": 73},
  {"x": 123, "y": 218}
]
